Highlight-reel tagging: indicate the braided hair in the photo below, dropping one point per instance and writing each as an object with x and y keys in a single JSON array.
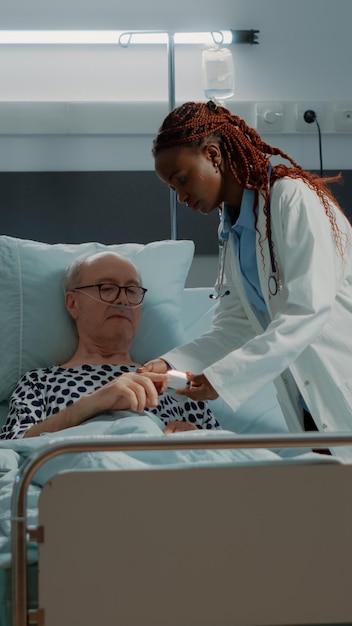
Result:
[{"x": 248, "y": 156}]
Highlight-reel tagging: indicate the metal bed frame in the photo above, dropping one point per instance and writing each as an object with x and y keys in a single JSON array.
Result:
[{"x": 106, "y": 443}]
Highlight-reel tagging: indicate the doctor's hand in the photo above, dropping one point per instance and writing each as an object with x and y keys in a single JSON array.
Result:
[{"x": 198, "y": 388}]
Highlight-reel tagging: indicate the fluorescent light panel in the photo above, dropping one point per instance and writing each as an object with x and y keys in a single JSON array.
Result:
[{"x": 109, "y": 37}]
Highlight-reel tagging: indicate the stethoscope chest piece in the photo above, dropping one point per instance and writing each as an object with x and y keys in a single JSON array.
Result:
[{"x": 274, "y": 285}]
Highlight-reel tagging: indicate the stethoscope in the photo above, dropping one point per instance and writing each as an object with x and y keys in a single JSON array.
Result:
[
  {"x": 274, "y": 283},
  {"x": 220, "y": 280}
]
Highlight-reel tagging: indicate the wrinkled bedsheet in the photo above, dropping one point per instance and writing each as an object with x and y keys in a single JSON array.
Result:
[{"x": 13, "y": 453}]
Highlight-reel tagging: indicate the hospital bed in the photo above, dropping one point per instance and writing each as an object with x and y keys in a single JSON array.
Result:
[{"x": 115, "y": 523}]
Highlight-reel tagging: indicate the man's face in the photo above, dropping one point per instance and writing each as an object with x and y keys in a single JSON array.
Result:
[{"x": 106, "y": 325}]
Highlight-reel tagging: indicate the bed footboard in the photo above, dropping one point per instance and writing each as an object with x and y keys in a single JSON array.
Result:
[{"x": 258, "y": 545}]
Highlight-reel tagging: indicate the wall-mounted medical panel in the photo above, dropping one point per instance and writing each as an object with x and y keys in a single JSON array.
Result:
[
  {"x": 145, "y": 117},
  {"x": 33, "y": 118},
  {"x": 81, "y": 118},
  {"x": 114, "y": 118},
  {"x": 117, "y": 135}
]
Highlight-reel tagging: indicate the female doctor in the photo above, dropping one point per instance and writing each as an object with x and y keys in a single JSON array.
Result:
[{"x": 284, "y": 288}]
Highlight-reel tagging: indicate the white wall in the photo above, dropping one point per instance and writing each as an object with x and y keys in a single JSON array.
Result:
[{"x": 304, "y": 54}]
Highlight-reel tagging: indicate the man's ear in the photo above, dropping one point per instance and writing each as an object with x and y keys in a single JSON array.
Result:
[{"x": 71, "y": 304}]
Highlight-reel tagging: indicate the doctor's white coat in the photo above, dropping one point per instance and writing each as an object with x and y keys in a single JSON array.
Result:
[{"x": 307, "y": 347}]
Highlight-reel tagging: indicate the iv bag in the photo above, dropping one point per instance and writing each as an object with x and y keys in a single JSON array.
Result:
[{"x": 218, "y": 73}]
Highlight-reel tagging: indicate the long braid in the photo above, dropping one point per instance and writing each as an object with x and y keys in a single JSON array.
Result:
[{"x": 248, "y": 156}]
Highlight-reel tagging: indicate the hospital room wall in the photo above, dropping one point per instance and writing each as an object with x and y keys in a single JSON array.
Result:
[{"x": 303, "y": 55}]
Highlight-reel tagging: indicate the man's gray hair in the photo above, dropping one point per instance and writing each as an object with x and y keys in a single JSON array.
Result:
[{"x": 73, "y": 272}]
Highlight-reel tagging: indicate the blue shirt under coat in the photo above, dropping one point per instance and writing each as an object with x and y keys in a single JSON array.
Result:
[{"x": 245, "y": 235}]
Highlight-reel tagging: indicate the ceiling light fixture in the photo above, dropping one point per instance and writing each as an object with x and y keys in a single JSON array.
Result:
[{"x": 124, "y": 38}]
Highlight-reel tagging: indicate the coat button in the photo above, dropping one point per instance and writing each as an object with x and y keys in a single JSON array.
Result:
[
  {"x": 325, "y": 425},
  {"x": 306, "y": 382}
]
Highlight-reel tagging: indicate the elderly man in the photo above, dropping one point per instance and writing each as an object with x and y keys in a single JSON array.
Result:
[{"x": 103, "y": 295}]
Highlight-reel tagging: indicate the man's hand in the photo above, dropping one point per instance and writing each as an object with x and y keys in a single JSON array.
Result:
[
  {"x": 178, "y": 426},
  {"x": 159, "y": 366},
  {"x": 131, "y": 391}
]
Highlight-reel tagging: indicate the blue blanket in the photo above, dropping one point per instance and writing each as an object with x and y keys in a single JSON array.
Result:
[{"x": 14, "y": 452}]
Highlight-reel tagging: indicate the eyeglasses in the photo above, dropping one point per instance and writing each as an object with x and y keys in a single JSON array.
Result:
[{"x": 108, "y": 292}]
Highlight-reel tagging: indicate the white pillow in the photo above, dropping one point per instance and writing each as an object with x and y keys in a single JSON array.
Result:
[{"x": 35, "y": 328}]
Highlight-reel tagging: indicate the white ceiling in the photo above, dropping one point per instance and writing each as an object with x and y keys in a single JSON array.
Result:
[
  {"x": 137, "y": 14},
  {"x": 153, "y": 14}
]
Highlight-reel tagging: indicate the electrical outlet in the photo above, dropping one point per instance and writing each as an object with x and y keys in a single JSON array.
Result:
[
  {"x": 343, "y": 117},
  {"x": 300, "y": 124},
  {"x": 269, "y": 117}
]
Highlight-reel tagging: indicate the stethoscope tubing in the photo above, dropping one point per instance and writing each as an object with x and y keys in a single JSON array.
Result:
[
  {"x": 221, "y": 273},
  {"x": 274, "y": 284}
]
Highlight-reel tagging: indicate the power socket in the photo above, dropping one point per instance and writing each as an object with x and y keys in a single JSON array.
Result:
[{"x": 308, "y": 127}]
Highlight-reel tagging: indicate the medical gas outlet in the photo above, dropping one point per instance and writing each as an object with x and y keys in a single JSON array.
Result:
[
  {"x": 269, "y": 117},
  {"x": 343, "y": 117}
]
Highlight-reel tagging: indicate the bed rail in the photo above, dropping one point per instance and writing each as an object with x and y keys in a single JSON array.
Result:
[{"x": 102, "y": 443}]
